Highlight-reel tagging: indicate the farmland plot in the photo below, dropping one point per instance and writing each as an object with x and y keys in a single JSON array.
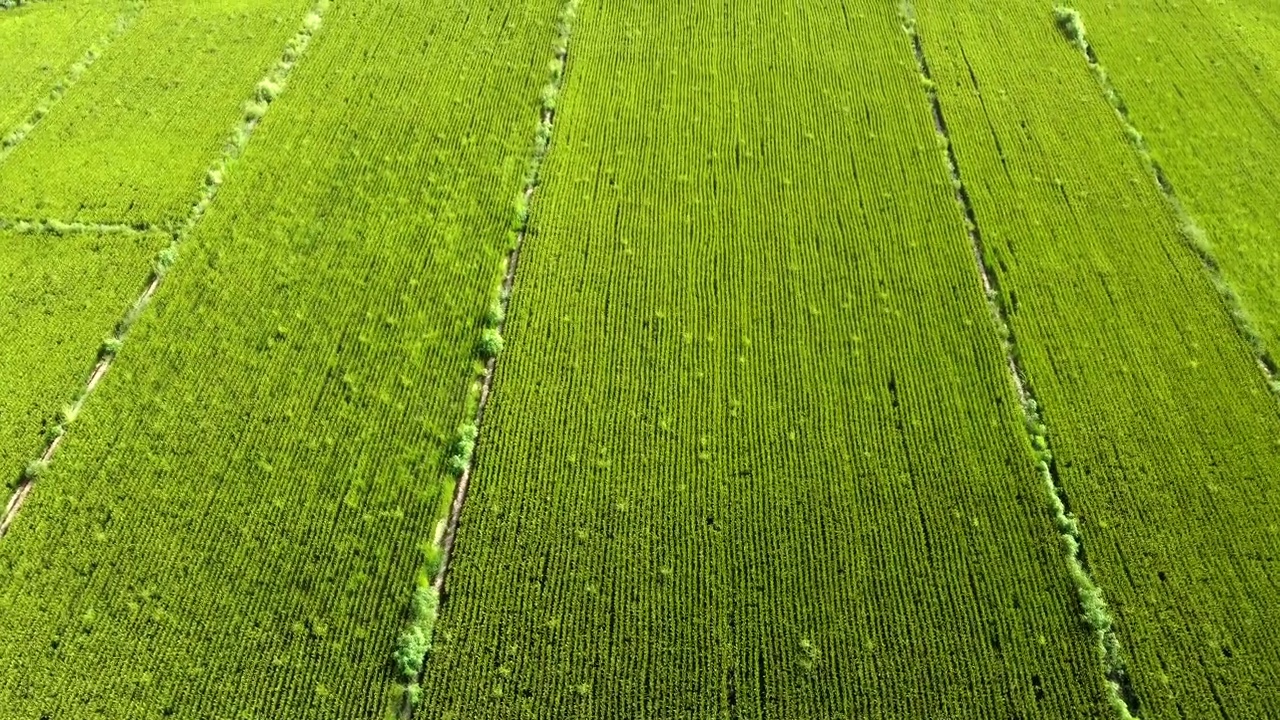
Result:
[
  {"x": 1166, "y": 440},
  {"x": 753, "y": 450},
  {"x": 134, "y": 140},
  {"x": 40, "y": 44},
  {"x": 233, "y": 526},
  {"x": 1201, "y": 82},
  {"x": 60, "y": 296}
]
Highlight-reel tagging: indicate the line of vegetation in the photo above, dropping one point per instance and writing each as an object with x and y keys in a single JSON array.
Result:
[
  {"x": 60, "y": 228},
  {"x": 414, "y": 644},
  {"x": 1094, "y": 607},
  {"x": 59, "y": 90},
  {"x": 255, "y": 108},
  {"x": 1071, "y": 25}
]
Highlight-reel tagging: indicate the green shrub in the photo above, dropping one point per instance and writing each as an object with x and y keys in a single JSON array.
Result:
[
  {"x": 495, "y": 314},
  {"x": 1070, "y": 24},
  {"x": 110, "y": 347},
  {"x": 411, "y": 651},
  {"x": 460, "y": 453},
  {"x": 34, "y": 470},
  {"x": 490, "y": 344}
]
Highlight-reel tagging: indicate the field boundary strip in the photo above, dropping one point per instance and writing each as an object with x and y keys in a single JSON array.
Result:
[
  {"x": 415, "y": 642},
  {"x": 65, "y": 83},
  {"x": 1071, "y": 25},
  {"x": 1120, "y": 692},
  {"x": 57, "y": 227},
  {"x": 255, "y": 108}
]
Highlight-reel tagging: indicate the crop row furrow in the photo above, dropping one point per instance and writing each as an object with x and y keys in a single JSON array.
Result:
[
  {"x": 1093, "y": 604},
  {"x": 1071, "y": 24}
]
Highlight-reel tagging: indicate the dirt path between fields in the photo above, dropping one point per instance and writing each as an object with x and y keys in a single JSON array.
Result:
[{"x": 486, "y": 384}]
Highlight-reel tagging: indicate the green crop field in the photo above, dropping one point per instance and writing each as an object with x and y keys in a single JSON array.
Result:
[
  {"x": 132, "y": 143},
  {"x": 45, "y": 47},
  {"x": 663, "y": 567},
  {"x": 1165, "y": 479},
  {"x": 63, "y": 295},
  {"x": 1207, "y": 102},
  {"x": 391, "y": 359}
]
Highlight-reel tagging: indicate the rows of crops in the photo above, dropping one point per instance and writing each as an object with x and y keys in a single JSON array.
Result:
[
  {"x": 1206, "y": 99},
  {"x": 234, "y": 528},
  {"x": 759, "y": 442},
  {"x": 41, "y": 373},
  {"x": 132, "y": 144},
  {"x": 717, "y": 479},
  {"x": 41, "y": 46},
  {"x": 60, "y": 296},
  {"x": 1106, "y": 301}
]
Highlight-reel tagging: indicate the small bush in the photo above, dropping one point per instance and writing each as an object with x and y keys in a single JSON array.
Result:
[
  {"x": 460, "y": 453},
  {"x": 34, "y": 470},
  {"x": 411, "y": 650},
  {"x": 1070, "y": 24},
  {"x": 54, "y": 432},
  {"x": 490, "y": 344},
  {"x": 110, "y": 347},
  {"x": 495, "y": 314},
  {"x": 430, "y": 565},
  {"x": 520, "y": 210},
  {"x": 268, "y": 90},
  {"x": 548, "y": 97},
  {"x": 165, "y": 259}
]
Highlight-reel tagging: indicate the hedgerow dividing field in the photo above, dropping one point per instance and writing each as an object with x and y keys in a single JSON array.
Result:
[
  {"x": 1163, "y": 481},
  {"x": 235, "y": 527}
]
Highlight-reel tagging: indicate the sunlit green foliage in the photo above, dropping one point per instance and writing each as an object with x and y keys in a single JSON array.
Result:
[
  {"x": 59, "y": 296},
  {"x": 40, "y": 45},
  {"x": 135, "y": 139},
  {"x": 752, "y": 426},
  {"x": 265, "y": 459},
  {"x": 1206, "y": 98},
  {"x": 1164, "y": 436}
]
